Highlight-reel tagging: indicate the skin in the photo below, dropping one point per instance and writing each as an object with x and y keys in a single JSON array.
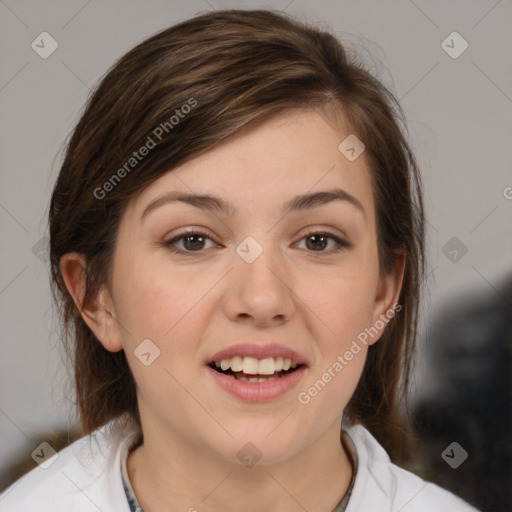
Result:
[{"x": 192, "y": 305}]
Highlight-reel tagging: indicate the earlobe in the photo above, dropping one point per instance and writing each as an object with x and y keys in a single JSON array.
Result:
[
  {"x": 98, "y": 312},
  {"x": 388, "y": 292}
]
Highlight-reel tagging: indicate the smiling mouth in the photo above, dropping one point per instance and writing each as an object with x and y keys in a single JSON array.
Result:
[{"x": 251, "y": 369}]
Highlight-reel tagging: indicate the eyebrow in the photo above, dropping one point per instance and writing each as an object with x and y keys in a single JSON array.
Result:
[{"x": 212, "y": 203}]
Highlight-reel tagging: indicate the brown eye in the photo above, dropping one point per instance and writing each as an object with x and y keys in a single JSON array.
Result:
[
  {"x": 318, "y": 242},
  {"x": 191, "y": 242}
]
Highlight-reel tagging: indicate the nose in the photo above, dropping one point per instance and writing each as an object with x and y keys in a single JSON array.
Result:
[{"x": 260, "y": 291}]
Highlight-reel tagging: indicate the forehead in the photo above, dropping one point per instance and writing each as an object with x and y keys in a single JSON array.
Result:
[{"x": 263, "y": 165}]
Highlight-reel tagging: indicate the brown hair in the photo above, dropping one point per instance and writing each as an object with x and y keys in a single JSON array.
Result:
[{"x": 235, "y": 67}]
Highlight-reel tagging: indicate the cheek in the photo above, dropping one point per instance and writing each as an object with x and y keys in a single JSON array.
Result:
[
  {"x": 342, "y": 305},
  {"x": 167, "y": 307},
  {"x": 341, "y": 313},
  {"x": 151, "y": 299}
]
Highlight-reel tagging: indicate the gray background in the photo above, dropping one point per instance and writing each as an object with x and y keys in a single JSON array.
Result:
[{"x": 459, "y": 115}]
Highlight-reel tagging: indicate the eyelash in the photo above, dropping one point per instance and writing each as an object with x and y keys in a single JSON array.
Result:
[{"x": 340, "y": 244}]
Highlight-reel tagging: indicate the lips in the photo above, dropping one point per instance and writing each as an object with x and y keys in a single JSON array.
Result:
[
  {"x": 257, "y": 351},
  {"x": 255, "y": 372}
]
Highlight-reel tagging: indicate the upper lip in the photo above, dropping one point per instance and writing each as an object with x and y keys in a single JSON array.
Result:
[{"x": 257, "y": 351}]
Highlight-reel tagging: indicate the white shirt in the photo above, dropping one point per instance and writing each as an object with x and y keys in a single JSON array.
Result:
[{"x": 86, "y": 476}]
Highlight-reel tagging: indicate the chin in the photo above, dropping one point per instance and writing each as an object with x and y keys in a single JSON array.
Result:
[{"x": 256, "y": 446}]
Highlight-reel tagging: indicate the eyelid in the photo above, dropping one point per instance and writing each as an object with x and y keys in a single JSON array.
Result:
[
  {"x": 325, "y": 231},
  {"x": 188, "y": 232}
]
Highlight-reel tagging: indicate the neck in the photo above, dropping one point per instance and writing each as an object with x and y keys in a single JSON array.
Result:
[{"x": 178, "y": 476}]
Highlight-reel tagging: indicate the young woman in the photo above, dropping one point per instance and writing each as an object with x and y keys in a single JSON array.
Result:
[{"x": 237, "y": 245}]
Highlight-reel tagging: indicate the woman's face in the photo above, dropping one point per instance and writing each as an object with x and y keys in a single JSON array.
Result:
[{"x": 275, "y": 276}]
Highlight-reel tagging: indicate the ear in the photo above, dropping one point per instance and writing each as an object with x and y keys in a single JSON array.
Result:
[
  {"x": 386, "y": 299},
  {"x": 99, "y": 312}
]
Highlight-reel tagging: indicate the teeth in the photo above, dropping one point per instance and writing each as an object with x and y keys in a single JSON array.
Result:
[
  {"x": 253, "y": 366},
  {"x": 236, "y": 364},
  {"x": 266, "y": 366},
  {"x": 250, "y": 365},
  {"x": 255, "y": 379}
]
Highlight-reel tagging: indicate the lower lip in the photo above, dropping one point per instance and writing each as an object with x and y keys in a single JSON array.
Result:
[{"x": 257, "y": 391}]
